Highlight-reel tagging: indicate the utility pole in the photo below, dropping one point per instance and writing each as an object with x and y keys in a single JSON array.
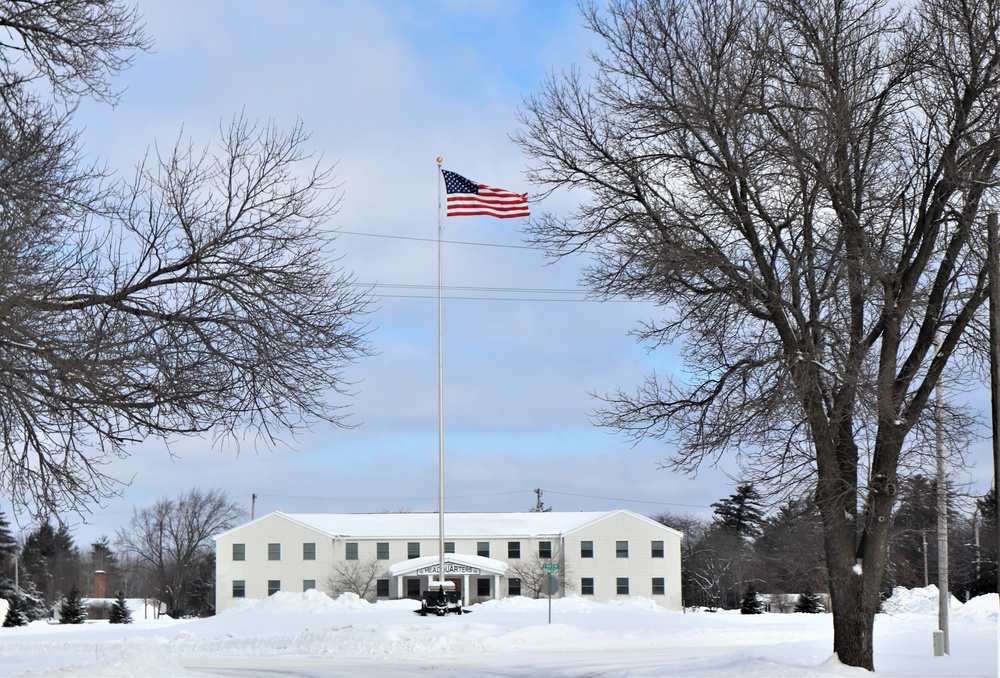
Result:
[
  {"x": 923, "y": 537},
  {"x": 944, "y": 595},
  {"x": 253, "y": 504},
  {"x": 994, "y": 269}
]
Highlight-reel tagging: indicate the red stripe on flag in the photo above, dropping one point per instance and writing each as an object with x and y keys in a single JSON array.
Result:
[{"x": 491, "y": 202}]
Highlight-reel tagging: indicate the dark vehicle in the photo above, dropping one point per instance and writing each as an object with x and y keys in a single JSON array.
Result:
[{"x": 440, "y": 599}]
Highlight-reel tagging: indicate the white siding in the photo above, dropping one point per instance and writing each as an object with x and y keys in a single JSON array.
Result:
[
  {"x": 604, "y": 529},
  {"x": 257, "y": 570},
  {"x": 640, "y": 567}
]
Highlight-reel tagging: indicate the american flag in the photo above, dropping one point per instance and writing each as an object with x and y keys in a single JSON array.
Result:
[{"x": 467, "y": 199}]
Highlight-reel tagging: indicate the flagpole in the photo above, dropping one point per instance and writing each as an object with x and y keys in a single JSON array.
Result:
[{"x": 440, "y": 389}]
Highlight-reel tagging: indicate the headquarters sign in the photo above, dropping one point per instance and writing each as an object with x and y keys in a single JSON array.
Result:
[{"x": 449, "y": 568}]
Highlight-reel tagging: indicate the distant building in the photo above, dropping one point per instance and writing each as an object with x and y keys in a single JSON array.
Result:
[{"x": 604, "y": 555}]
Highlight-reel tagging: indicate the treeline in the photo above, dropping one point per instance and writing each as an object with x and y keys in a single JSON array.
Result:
[
  {"x": 780, "y": 551},
  {"x": 164, "y": 553}
]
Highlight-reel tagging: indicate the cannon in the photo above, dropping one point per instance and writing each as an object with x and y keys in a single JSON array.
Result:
[{"x": 439, "y": 599}]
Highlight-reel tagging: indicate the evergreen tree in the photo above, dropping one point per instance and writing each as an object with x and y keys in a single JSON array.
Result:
[
  {"x": 8, "y": 544},
  {"x": 808, "y": 603},
  {"x": 16, "y": 615},
  {"x": 751, "y": 603},
  {"x": 742, "y": 512},
  {"x": 51, "y": 560},
  {"x": 120, "y": 614},
  {"x": 71, "y": 611},
  {"x": 34, "y": 604}
]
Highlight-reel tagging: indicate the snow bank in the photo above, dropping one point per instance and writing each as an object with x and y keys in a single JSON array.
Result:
[
  {"x": 309, "y": 602},
  {"x": 916, "y": 601},
  {"x": 131, "y": 663},
  {"x": 571, "y": 603},
  {"x": 987, "y": 606},
  {"x": 305, "y": 633}
]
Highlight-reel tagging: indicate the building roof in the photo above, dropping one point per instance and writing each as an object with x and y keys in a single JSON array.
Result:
[{"x": 456, "y": 525}]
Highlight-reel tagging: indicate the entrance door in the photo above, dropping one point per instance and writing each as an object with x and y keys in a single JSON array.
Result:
[{"x": 458, "y": 585}]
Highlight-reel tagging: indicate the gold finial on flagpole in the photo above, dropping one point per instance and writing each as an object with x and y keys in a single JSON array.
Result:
[{"x": 440, "y": 159}]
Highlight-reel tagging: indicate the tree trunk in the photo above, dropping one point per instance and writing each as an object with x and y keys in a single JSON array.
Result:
[
  {"x": 853, "y": 612},
  {"x": 856, "y": 543}
]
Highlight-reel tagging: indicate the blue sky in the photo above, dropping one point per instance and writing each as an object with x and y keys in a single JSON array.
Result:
[{"x": 385, "y": 88}]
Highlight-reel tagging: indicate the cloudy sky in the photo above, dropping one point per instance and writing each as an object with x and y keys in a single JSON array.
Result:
[{"x": 386, "y": 88}]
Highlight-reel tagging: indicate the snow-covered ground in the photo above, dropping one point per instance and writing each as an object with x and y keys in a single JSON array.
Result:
[{"x": 311, "y": 634}]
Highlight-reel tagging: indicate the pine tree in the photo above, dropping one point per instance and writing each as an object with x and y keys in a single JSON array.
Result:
[
  {"x": 120, "y": 614},
  {"x": 751, "y": 603},
  {"x": 8, "y": 544},
  {"x": 742, "y": 512},
  {"x": 15, "y": 612},
  {"x": 34, "y": 606},
  {"x": 71, "y": 611},
  {"x": 808, "y": 603}
]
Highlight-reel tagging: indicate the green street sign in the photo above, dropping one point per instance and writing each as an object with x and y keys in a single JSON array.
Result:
[{"x": 550, "y": 567}]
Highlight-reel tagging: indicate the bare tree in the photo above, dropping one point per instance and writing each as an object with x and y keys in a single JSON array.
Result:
[
  {"x": 533, "y": 576},
  {"x": 199, "y": 297},
  {"x": 72, "y": 45},
  {"x": 801, "y": 185},
  {"x": 356, "y": 576},
  {"x": 694, "y": 532},
  {"x": 170, "y": 542},
  {"x": 711, "y": 573}
]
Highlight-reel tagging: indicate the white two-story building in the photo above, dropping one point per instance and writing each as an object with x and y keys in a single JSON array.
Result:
[{"x": 601, "y": 555}]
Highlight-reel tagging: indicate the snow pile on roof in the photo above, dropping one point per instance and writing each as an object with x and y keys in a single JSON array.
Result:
[
  {"x": 916, "y": 601},
  {"x": 457, "y": 525}
]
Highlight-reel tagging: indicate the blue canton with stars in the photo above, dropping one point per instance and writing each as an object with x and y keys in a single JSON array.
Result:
[{"x": 456, "y": 183}]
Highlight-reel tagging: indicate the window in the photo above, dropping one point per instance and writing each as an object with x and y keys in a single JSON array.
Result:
[
  {"x": 449, "y": 547},
  {"x": 382, "y": 550},
  {"x": 308, "y": 584},
  {"x": 544, "y": 549},
  {"x": 621, "y": 549},
  {"x": 586, "y": 549},
  {"x": 239, "y": 588},
  {"x": 413, "y": 551},
  {"x": 413, "y": 588},
  {"x": 483, "y": 549},
  {"x": 587, "y": 586},
  {"x": 513, "y": 549},
  {"x": 382, "y": 588},
  {"x": 657, "y": 550},
  {"x": 352, "y": 550},
  {"x": 273, "y": 586},
  {"x": 239, "y": 551},
  {"x": 658, "y": 586},
  {"x": 623, "y": 586},
  {"x": 513, "y": 586},
  {"x": 309, "y": 552},
  {"x": 274, "y": 551},
  {"x": 483, "y": 587}
]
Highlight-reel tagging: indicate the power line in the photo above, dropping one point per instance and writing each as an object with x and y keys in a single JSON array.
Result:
[
  {"x": 486, "y": 290},
  {"x": 434, "y": 240},
  {"x": 632, "y": 501},
  {"x": 514, "y": 290},
  {"x": 487, "y": 494},
  {"x": 525, "y": 290}
]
